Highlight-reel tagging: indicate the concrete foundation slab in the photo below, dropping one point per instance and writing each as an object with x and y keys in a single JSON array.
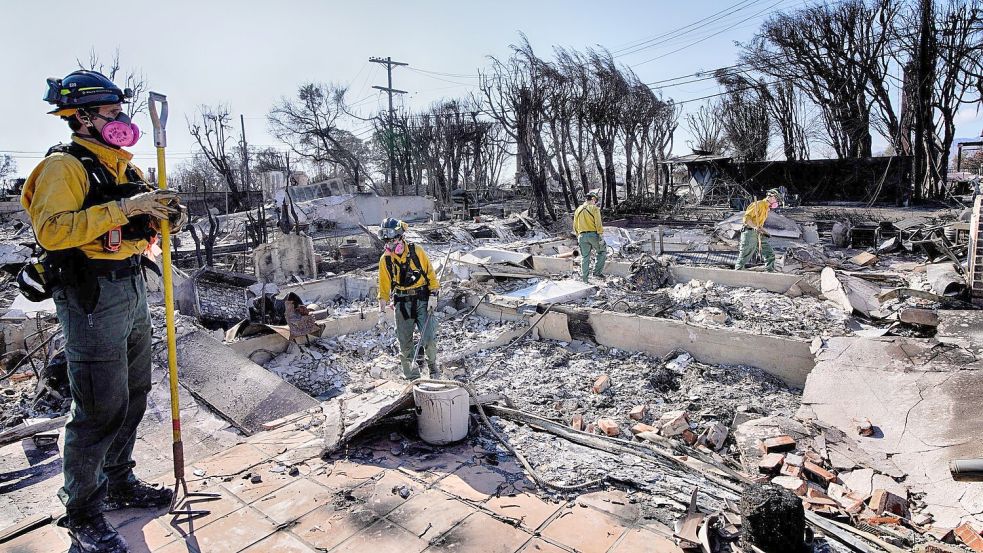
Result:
[
  {"x": 243, "y": 392},
  {"x": 923, "y": 400},
  {"x": 963, "y": 327}
]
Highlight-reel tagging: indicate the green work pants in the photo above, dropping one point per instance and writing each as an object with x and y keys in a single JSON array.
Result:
[
  {"x": 591, "y": 242},
  {"x": 405, "y": 323},
  {"x": 750, "y": 240},
  {"x": 108, "y": 354}
]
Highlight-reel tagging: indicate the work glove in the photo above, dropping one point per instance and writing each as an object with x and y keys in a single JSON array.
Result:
[
  {"x": 156, "y": 203},
  {"x": 382, "y": 306},
  {"x": 178, "y": 219},
  {"x": 432, "y": 303}
]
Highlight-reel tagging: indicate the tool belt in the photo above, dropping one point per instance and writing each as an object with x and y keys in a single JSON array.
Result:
[
  {"x": 82, "y": 274},
  {"x": 412, "y": 297}
]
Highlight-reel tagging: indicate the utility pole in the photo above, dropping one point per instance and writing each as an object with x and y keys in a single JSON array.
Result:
[{"x": 389, "y": 63}]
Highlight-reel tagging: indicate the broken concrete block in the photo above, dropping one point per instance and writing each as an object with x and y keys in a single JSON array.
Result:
[
  {"x": 968, "y": 536},
  {"x": 609, "y": 427},
  {"x": 923, "y": 317},
  {"x": 795, "y": 485},
  {"x": 638, "y": 412},
  {"x": 778, "y": 444},
  {"x": 771, "y": 463},
  {"x": 577, "y": 422},
  {"x": 602, "y": 383},
  {"x": 714, "y": 436},
  {"x": 922, "y": 519},
  {"x": 794, "y": 460},
  {"x": 673, "y": 423},
  {"x": 883, "y": 501},
  {"x": 944, "y": 535},
  {"x": 864, "y": 259},
  {"x": 818, "y": 472},
  {"x": 641, "y": 427}
]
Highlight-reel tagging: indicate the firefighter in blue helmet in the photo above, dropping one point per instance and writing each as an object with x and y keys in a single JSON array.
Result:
[
  {"x": 408, "y": 281},
  {"x": 95, "y": 217}
]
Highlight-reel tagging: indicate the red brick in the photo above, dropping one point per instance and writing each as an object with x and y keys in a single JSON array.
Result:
[
  {"x": 813, "y": 457},
  {"x": 883, "y": 501},
  {"x": 688, "y": 436},
  {"x": 790, "y": 470},
  {"x": 778, "y": 444},
  {"x": 609, "y": 427},
  {"x": 638, "y": 412},
  {"x": 577, "y": 422},
  {"x": 794, "y": 485},
  {"x": 771, "y": 463},
  {"x": 968, "y": 536},
  {"x": 818, "y": 472},
  {"x": 673, "y": 423},
  {"x": 865, "y": 427},
  {"x": 641, "y": 427},
  {"x": 602, "y": 383},
  {"x": 714, "y": 436}
]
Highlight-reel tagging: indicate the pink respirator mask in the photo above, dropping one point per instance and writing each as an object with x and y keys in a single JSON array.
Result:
[
  {"x": 119, "y": 131},
  {"x": 773, "y": 204},
  {"x": 396, "y": 247}
]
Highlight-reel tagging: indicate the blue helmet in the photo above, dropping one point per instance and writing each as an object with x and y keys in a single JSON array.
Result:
[
  {"x": 81, "y": 89},
  {"x": 391, "y": 228}
]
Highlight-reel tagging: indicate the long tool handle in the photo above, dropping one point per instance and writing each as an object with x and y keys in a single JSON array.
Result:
[
  {"x": 159, "y": 119},
  {"x": 426, "y": 323}
]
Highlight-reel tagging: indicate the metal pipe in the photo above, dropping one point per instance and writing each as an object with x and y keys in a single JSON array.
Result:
[{"x": 966, "y": 470}]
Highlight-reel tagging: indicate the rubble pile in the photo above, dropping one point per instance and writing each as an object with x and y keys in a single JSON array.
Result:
[
  {"x": 709, "y": 304},
  {"x": 621, "y": 394}
]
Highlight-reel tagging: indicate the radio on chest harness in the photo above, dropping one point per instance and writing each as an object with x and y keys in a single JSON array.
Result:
[{"x": 404, "y": 275}]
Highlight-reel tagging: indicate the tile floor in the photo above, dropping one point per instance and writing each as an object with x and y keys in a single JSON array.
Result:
[{"x": 443, "y": 501}]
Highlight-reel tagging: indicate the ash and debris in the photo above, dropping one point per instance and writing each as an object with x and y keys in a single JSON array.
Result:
[
  {"x": 712, "y": 305},
  {"x": 554, "y": 380},
  {"x": 324, "y": 367}
]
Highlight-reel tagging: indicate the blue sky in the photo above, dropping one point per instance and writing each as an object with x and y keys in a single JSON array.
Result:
[{"x": 247, "y": 54}]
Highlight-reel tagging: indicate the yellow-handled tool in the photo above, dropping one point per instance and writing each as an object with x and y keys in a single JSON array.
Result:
[{"x": 159, "y": 119}]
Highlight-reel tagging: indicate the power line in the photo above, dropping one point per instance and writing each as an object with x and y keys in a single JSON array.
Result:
[
  {"x": 711, "y": 35},
  {"x": 654, "y": 41}
]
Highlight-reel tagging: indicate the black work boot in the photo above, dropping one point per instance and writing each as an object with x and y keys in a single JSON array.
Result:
[
  {"x": 138, "y": 495},
  {"x": 92, "y": 534}
]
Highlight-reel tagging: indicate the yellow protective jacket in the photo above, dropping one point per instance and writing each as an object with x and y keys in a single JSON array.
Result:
[
  {"x": 387, "y": 282},
  {"x": 587, "y": 218},
  {"x": 53, "y": 196},
  {"x": 756, "y": 214}
]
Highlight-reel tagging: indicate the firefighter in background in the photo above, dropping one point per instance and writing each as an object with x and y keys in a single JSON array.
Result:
[
  {"x": 407, "y": 280},
  {"x": 590, "y": 235},
  {"x": 754, "y": 238},
  {"x": 95, "y": 217}
]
